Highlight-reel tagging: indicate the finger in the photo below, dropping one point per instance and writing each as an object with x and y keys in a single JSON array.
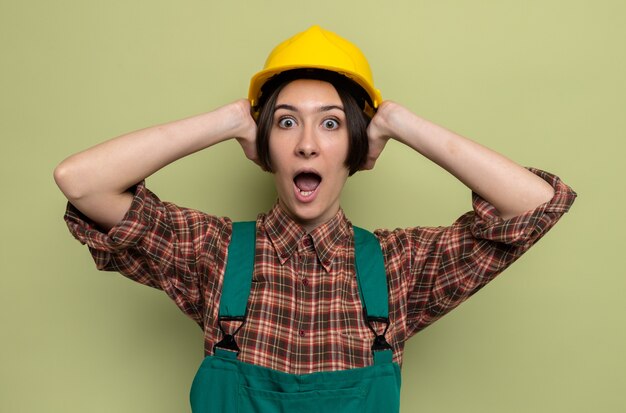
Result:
[{"x": 368, "y": 166}]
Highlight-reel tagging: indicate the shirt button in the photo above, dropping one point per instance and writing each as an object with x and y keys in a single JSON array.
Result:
[
  {"x": 305, "y": 282},
  {"x": 307, "y": 242},
  {"x": 302, "y": 333}
]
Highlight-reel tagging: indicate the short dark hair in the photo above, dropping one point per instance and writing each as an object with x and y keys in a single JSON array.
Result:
[{"x": 353, "y": 98}]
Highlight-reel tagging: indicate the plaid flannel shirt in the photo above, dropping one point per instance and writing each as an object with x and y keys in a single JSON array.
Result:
[{"x": 304, "y": 311}]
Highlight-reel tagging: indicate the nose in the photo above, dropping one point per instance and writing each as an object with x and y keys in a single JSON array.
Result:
[{"x": 307, "y": 146}]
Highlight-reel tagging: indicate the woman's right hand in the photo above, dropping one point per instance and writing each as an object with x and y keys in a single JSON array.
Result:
[{"x": 247, "y": 130}]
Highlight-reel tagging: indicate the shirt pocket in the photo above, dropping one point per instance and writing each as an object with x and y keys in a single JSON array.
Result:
[{"x": 355, "y": 349}]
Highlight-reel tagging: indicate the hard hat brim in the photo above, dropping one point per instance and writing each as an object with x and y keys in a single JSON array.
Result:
[{"x": 259, "y": 79}]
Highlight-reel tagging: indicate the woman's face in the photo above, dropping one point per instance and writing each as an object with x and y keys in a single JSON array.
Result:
[{"x": 308, "y": 147}]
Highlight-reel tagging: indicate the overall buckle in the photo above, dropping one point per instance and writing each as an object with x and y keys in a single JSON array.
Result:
[
  {"x": 380, "y": 342},
  {"x": 228, "y": 341}
]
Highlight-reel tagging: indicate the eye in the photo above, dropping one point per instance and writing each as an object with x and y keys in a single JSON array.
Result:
[
  {"x": 286, "y": 122},
  {"x": 331, "y": 124}
]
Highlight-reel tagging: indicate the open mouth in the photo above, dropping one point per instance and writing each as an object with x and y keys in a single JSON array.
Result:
[{"x": 307, "y": 182}]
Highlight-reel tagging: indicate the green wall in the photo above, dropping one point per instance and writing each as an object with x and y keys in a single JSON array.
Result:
[{"x": 542, "y": 81}]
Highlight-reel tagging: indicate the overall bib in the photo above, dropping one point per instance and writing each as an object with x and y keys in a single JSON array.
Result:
[{"x": 225, "y": 384}]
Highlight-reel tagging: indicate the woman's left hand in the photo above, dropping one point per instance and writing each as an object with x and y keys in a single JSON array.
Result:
[{"x": 378, "y": 133}]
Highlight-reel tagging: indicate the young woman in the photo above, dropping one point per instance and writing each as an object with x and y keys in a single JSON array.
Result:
[{"x": 304, "y": 341}]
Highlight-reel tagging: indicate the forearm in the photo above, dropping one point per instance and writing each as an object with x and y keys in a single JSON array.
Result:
[
  {"x": 508, "y": 186},
  {"x": 96, "y": 180}
]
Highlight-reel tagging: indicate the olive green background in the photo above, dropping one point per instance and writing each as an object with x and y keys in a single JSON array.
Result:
[{"x": 542, "y": 81}]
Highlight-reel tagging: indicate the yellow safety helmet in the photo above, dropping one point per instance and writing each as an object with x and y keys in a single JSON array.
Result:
[{"x": 317, "y": 48}]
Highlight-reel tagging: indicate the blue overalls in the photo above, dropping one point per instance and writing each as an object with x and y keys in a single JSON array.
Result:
[{"x": 225, "y": 384}]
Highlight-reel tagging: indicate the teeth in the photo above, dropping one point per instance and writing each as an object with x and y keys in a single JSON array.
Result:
[{"x": 306, "y": 193}]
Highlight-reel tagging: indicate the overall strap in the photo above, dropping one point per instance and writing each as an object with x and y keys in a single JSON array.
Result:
[
  {"x": 372, "y": 281},
  {"x": 237, "y": 283}
]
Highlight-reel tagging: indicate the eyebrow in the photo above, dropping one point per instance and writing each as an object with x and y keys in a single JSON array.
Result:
[{"x": 292, "y": 108}]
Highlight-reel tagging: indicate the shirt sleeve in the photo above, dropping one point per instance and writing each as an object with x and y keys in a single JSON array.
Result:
[
  {"x": 178, "y": 250},
  {"x": 433, "y": 270}
]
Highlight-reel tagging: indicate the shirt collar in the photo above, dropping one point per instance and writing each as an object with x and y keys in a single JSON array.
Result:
[{"x": 285, "y": 234}]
